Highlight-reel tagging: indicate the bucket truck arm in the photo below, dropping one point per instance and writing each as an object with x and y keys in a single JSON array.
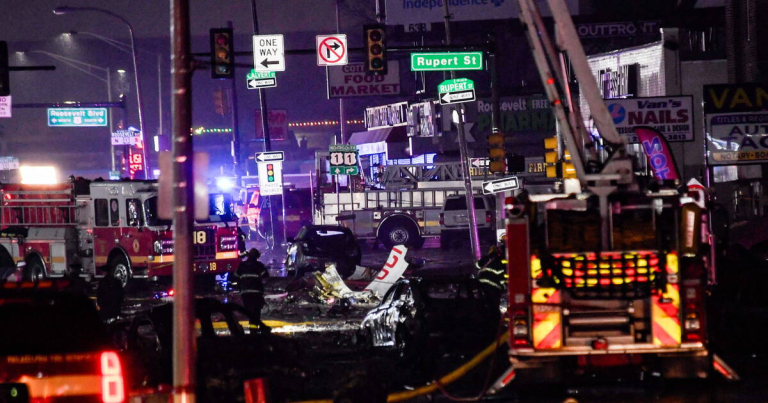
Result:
[{"x": 601, "y": 171}]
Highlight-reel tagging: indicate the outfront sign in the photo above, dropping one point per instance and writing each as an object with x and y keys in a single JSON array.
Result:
[
  {"x": 77, "y": 117},
  {"x": 403, "y": 12},
  {"x": 446, "y": 61},
  {"x": 268, "y": 53},
  {"x": 670, "y": 116}
]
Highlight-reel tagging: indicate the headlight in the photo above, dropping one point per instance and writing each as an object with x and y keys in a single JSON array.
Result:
[{"x": 163, "y": 247}]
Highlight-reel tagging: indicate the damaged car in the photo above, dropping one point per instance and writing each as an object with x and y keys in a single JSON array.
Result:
[
  {"x": 436, "y": 310},
  {"x": 317, "y": 246}
]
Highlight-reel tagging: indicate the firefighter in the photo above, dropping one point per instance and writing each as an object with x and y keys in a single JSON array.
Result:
[
  {"x": 109, "y": 296},
  {"x": 76, "y": 284},
  {"x": 492, "y": 268},
  {"x": 249, "y": 277}
]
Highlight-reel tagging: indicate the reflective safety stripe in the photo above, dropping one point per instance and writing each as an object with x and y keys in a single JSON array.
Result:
[
  {"x": 252, "y": 292},
  {"x": 547, "y": 318},
  {"x": 497, "y": 272},
  {"x": 62, "y": 385},
  {"x": 666, "y": 317},
  {"x": 251, "y": 275},
  {"x": 491, "y": 283}
]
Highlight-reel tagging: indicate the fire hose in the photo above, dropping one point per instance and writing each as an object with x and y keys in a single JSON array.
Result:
[{"x": 446, "y": 380}]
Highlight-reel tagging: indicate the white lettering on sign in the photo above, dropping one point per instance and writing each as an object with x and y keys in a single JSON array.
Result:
[
  {"x": 268, "y": 53},
  {"x": 5, "y": 107},
  {"x": 352, "y": 81}
]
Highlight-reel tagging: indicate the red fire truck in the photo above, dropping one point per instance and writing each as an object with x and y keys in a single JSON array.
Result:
[
  {"x": 615, "y": 270},
  {"x": 106, "y": 225}
]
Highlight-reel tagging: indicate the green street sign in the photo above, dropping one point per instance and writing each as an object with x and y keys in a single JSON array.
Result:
[
  {"x": 446, "y": 61},
  {"x": 255, "y": 75},
  {"x": 77, "y": 117},
  {"x": 456, "y": 91},
  {"x": 459, "y": 84},
  {"x": 343, "y": 159}
]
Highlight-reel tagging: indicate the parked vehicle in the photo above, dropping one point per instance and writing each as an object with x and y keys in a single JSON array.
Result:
[
  {"x": 454, "y": 220},
  {"x": 54, "y": 348},
  {"x": 318, "y": 245},
  {"x": 228, "y": 353},
  {"x": 445, "y": 311}
]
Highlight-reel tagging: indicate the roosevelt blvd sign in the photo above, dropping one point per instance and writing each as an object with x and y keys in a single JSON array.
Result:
[
  {"x": 77, "y": 117},
  {"x": 456, "y": 91},
  {"x": 446, "y": 61},
  {"x": 501, "y": 185}
]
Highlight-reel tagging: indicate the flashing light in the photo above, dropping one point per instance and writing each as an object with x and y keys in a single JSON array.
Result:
[
  {"x": 225, "y": 184},
  {"x": 38, "y": 175},
  {"x": 171, "y": 292}
]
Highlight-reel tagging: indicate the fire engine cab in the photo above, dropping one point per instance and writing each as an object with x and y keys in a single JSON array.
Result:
[{"x": 106, "y": 225}]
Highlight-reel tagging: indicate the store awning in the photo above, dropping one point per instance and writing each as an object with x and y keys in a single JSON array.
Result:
[{"x": 385, "y": 134}]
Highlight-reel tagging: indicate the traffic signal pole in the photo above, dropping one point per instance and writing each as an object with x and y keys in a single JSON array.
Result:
[
  {"x": 464, "y": 155},
  {"x": 184, "y": 340}
]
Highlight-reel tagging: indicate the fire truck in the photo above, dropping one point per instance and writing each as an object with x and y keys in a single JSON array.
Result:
[
  {"x": 106, "y": 225},
  {"x": 614, "y": 271}
]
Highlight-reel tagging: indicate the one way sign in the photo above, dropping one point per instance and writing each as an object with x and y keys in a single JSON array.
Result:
[
  {"x": 456, "y": 91},
  {"x": 269, "y": 156},
  {"x": 268, "y": 53},
  {"x": 501, "y": 185}
]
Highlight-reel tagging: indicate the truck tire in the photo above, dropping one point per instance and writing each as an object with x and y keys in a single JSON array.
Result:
[
  {"x": 35, "y": 268},
  {"x": 399, "y": 232},
  {"x": 121, "y": 269}
]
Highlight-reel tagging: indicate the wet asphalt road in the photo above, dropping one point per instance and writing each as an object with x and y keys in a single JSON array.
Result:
[{"x": 333, "y": 341}]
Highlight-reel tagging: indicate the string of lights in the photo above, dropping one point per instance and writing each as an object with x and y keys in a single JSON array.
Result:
[{"x": 205, "y": 130}]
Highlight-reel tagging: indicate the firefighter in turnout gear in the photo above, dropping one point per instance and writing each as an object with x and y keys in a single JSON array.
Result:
[
  {"x": 249, "y": 278},
  {"x": 492, "y": 268}
]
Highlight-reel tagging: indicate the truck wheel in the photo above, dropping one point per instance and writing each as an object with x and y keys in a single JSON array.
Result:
[
  {"x": 121, "y": 269},
  {"x": 35, "y": 270},
  {"x": 399, "y": 232}
]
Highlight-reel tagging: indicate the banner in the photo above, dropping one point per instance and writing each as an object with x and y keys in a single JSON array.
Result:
[
  {"x": 402, "y": 12},
  {"x": 737, "y": 138},
  {"x": 657, "y": 151},
  {"x": 277, "y": 120},
  {"x": 352, "y": 81},
  {"x": 670, "y": 116}
]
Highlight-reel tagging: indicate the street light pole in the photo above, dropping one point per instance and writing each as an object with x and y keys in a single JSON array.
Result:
[{"x": 65, "y": 10}]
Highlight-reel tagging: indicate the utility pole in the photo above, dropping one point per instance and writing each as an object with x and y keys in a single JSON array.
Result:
[
  {"x": 464, "y": 155},
  {"x": 235, "y": 125},
  {"x": 184, "y": 340},
  {"x": 264, "y": 127}
]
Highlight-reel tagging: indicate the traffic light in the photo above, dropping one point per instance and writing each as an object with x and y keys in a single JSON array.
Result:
[
  {"x": 218, "y": 101},
  {"x": 5, "y": 80},
  {"x": 558, "y": 159},
  {"x": 270, "y": 173},
  {"x": 222, "y": 53},
  {"x": 375, "y": 43},
  {"x": 497, "y": 154}
]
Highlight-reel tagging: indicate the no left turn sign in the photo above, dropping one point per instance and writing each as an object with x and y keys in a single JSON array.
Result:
[{"x": 331, "y": 50}]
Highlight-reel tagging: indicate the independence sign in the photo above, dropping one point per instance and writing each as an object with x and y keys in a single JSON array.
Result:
[{"x": 404, "y": 12}]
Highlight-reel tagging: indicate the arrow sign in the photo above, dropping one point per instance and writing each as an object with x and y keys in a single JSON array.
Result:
[
  {"x": 270, "y": 156},
  {"x": 262, "y": 83},
  {"x": 331, "y": 50},
  {"x": 457, "y": 97},
  {"x": 268, "y": 53},
  {"x": 501, "y": 185},
  {"x": 479, "y": 162}
]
